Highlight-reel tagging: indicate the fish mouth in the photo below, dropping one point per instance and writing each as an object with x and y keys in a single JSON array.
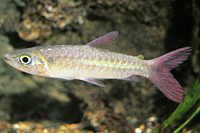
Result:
[
  {"x": 7, "y": 58},
  {"x": 10, "y": 59}
]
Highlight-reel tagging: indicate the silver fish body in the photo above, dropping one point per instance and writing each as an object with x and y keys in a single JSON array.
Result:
[
  {"x": 92, "y": 63},
  {"x": 84, "y": 62}
]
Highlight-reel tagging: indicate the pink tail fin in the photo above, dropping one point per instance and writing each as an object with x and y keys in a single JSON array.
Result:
[{"x": 162, "y": 77}]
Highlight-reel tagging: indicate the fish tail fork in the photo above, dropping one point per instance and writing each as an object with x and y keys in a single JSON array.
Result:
[{"x": 163, "y": 79}]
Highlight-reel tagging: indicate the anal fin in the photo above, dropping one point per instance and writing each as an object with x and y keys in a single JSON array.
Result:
[{"x": 135, "y": 78}]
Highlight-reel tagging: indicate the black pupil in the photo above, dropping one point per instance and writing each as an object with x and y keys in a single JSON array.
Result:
[{"x": 25, "y": 59}]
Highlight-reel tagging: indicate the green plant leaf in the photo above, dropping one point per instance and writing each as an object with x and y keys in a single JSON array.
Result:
[
  {"x": 185, "y": 123},
  {"x": 196, "y": 129},
  {"x": 190, "y": 99}
]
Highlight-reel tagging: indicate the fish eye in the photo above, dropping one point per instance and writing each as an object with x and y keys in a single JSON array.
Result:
[{"x": 25, "y": 59}]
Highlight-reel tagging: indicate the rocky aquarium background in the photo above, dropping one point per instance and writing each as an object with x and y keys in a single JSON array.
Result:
[{"x": 147, "y": 27}]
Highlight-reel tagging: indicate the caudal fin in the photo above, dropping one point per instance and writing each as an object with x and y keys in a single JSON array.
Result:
[{"x": 162, "y": 77}]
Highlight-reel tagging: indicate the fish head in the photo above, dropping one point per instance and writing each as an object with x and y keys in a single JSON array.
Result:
[{"x": 26, "y": 60}]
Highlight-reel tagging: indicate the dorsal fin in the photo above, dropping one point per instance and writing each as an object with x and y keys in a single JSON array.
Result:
[{"x": 108, "y": 41}]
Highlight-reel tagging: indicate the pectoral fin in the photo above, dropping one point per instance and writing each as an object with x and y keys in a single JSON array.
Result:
[{"x": 94, "y": 81}]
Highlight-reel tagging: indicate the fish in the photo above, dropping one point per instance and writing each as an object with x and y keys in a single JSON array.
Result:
[{"x": 96, "y": 61}]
